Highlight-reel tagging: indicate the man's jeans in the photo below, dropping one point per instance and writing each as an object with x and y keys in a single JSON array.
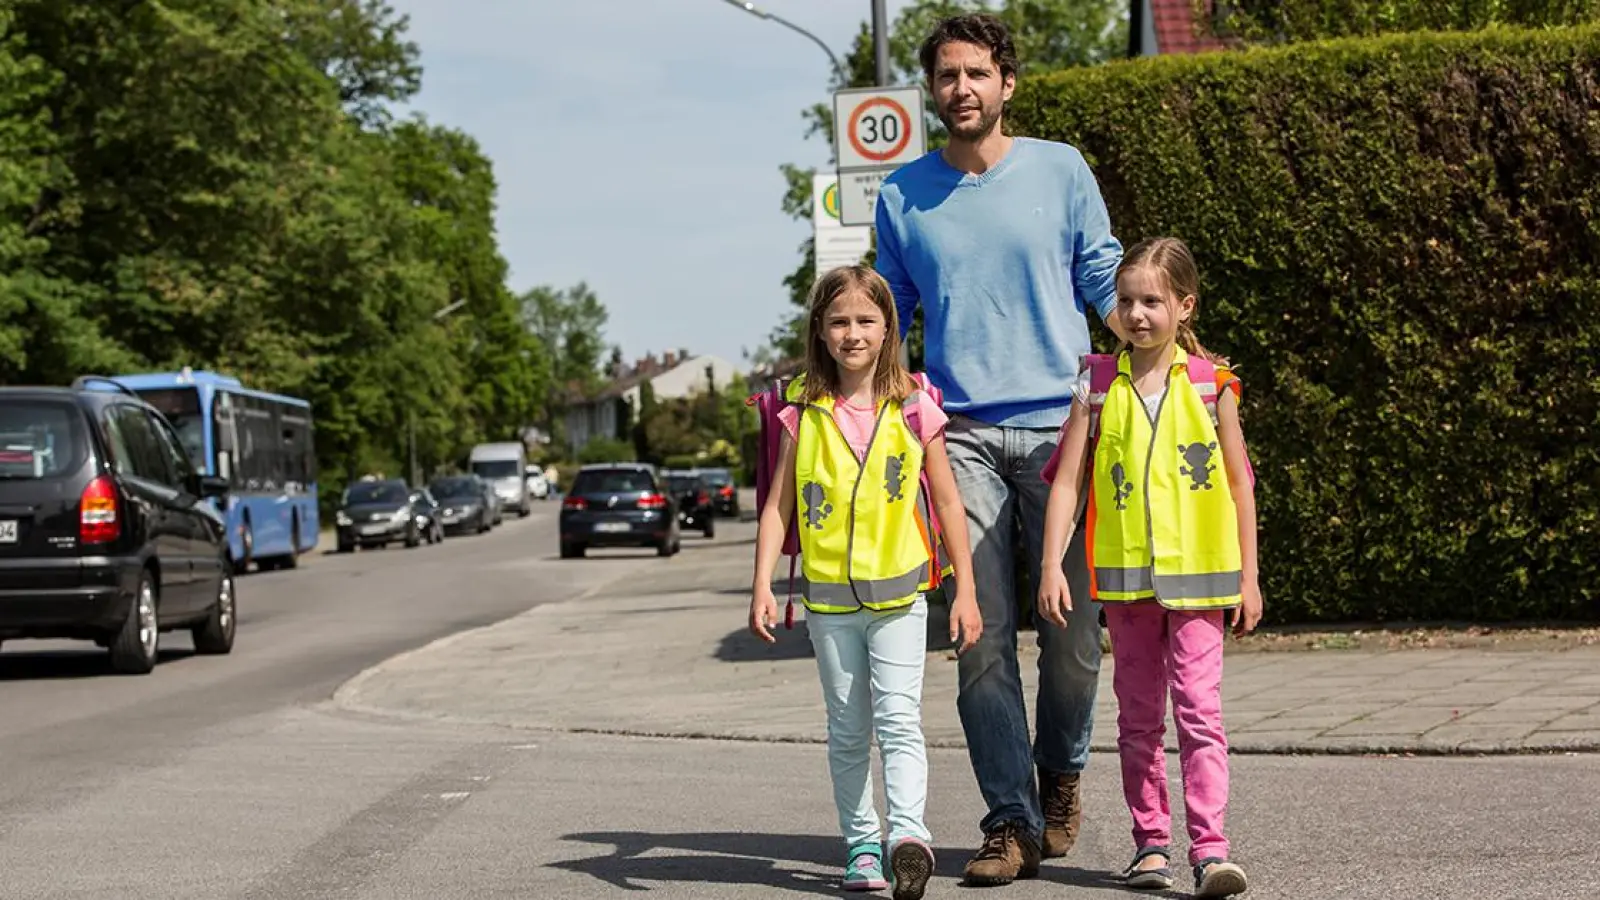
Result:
[{"x": 997, "y": 470}]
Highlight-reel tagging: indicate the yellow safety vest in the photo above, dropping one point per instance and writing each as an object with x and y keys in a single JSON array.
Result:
[
  {"x": 1161, "y": 518},
  {"x": 863, "y": 525}
]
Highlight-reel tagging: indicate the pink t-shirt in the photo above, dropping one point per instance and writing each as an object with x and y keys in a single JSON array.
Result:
[{"x": 924, "y": 417}]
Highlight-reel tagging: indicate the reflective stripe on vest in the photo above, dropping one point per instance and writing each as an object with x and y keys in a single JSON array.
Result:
[
  {"x": 860, "y": 543},
  {"x": 1161, "y": 518}
]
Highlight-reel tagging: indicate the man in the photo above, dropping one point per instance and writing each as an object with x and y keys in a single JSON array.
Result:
[{"x": 1005, "y": 242}]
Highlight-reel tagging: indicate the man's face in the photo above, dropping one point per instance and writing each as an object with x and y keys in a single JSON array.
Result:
[{"x": 968, "y": 90}]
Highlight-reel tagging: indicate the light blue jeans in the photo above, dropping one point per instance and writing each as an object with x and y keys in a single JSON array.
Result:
[
  {"x": 871, "y": 669},
  {"x": 997, "y": 470}
]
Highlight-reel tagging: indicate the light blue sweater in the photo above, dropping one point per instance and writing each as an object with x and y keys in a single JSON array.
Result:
[{"x": 1004, "y": 265}]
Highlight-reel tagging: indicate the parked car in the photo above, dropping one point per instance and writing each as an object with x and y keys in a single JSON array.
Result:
[
  {"x": 723, "y": 492},
  {"x": 502, "y": 465},
  {"x": 618, "y": 505},
  {"x": 538, "y": 483},
  {"x": 106, "y": 532},
  {"x": 696, "y": 511},
  {"x": 463, "y": 509},
  {"x": 377, "y": 513}
]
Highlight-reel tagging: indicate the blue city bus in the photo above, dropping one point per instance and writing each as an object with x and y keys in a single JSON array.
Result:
[{"x": 261, "y": 443}]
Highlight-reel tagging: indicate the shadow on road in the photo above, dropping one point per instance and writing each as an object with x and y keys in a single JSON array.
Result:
[
  {"x": 804, "y": 863},
  {"x": 21, "y": 665},
  {"x": 742, "y": 646}
]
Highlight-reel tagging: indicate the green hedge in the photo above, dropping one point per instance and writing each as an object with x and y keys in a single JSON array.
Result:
[{"x": 1399, "y": 242}]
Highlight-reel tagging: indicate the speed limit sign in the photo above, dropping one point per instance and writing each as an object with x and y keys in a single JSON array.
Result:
[{"x": 878, "y": 127}]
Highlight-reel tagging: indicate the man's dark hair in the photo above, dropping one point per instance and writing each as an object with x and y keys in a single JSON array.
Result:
[{"x": 982, "y": 29}]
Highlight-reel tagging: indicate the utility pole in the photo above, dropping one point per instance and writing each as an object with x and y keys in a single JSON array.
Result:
[{"x": 880, "y": 40}]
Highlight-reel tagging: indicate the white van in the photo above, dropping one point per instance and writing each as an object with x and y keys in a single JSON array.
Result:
[{"x": 502, "y": 465}]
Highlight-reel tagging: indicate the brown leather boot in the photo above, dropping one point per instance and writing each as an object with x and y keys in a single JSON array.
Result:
[
  {"x": 1062, "y": 803},
  {"x": 1007, "y": 854}
]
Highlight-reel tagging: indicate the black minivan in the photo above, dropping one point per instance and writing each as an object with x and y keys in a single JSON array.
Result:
[{"x": 106, "y": 532}]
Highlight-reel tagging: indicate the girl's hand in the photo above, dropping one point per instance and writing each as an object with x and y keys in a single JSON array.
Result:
[
  {"x": 1055, "y": 597},
  {"x": 966, "y": 623},
  {"x": 1249, "y": 608},
  {"x": 763, "y": 615}
]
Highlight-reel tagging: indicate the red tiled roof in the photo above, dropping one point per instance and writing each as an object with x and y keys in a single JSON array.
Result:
[{"x": 1174, "y": 22}]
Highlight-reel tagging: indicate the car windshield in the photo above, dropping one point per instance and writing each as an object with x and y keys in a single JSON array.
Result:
[
  {"x": 683, "y": 484},
  {"x": 38, "y": 439},
  {"x": 718, "y": 477},
  {"x": 613, "y": 481},
  {"x": 379, "y": 492},
  {"x": 454, "y": 488},
  {"x": 496, "y": 468}
]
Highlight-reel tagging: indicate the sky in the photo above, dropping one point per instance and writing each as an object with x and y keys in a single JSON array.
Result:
[{"x": 636, "y": 145}]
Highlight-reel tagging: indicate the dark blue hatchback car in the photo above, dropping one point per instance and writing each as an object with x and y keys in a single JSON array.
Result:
[{"x": 618, "y": 505}]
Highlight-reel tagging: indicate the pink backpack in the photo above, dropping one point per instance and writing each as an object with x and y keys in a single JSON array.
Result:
[
  {"x": 768, "y": 404},
  {"x": 1103, "y": 371}
]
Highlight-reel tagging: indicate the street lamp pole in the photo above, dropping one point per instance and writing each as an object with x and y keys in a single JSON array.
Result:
[
  {"x": 411, "y": 413},
  {"x": 880, "y": 41},
  {"x": 758, "y": 12}
]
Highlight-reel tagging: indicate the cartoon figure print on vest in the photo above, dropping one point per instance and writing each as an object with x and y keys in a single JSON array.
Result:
[
  {"x": 861, "y": 545},
  {"x": 1182, "y": 551},
  {"x": 1198, "y": 457}
]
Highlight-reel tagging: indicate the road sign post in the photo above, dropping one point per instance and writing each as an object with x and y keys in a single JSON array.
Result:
[
  {"x": 879, "y": 130},
  {"x": 835, "y": 244}
]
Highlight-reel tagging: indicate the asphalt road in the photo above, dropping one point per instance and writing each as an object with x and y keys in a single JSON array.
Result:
[{"x": 234, "y": 778}]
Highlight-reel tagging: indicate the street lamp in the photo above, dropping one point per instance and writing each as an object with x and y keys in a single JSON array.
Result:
[
  {"x": 411, "y": 413},
  {"x": 758, "y": 12}
]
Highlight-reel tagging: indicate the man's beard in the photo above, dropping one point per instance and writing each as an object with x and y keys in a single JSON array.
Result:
[{"x": 987, "y": 120}]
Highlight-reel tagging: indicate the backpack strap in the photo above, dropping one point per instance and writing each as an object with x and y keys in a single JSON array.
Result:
[
  {"x": 1203, "y": 375},
  {"x": 1102, "y": 368}
]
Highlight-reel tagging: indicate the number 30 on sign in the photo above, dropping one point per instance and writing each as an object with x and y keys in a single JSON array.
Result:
[{"x": 878, "y": 127}]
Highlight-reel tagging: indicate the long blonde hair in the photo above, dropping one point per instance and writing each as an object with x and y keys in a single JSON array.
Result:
[
  {"x": 890, "y": 380},
  {"x": 1170, "y": 257}
]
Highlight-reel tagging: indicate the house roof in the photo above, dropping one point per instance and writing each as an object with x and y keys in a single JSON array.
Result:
[{"x": 1173, "y": 24}]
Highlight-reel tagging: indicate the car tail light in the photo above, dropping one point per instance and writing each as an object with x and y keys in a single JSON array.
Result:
[
  {"x": 652, "y": 501},
  {"x": 727, "y": 490},
  {"x": 574, "y": 503},
  {"x": 97, "y": 517}
]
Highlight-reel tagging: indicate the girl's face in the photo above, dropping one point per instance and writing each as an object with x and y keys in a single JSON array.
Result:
[
  {"x": 1149, "y": 312},
  {"x": 853, "y": 329}
]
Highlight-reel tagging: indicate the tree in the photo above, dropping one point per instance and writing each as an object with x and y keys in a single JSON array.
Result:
[
  {"x": 1049, "y": 34},
  {"x": 216, "y": 183},
  {"x": 569, "y": 326}
]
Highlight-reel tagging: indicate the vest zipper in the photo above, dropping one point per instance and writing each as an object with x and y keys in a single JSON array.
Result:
[
  {"x": 850, "y": 536},
  {"x": 1149, "y": 459}
]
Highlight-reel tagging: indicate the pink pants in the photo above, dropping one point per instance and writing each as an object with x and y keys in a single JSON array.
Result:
[{"x": 1157, "y": 650}]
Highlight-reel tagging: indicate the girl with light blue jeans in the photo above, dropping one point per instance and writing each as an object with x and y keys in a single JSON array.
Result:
[{"x": 868, "y": 436}]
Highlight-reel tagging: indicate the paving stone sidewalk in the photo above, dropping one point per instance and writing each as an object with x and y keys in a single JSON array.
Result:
[{"x": 671, "y": 658}]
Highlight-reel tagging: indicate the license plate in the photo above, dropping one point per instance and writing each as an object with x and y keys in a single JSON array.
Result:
[
  {"x": 612, "y": 527},
  {"x": 8, "y": 531},
  {"x": 374, "y": 529}
]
